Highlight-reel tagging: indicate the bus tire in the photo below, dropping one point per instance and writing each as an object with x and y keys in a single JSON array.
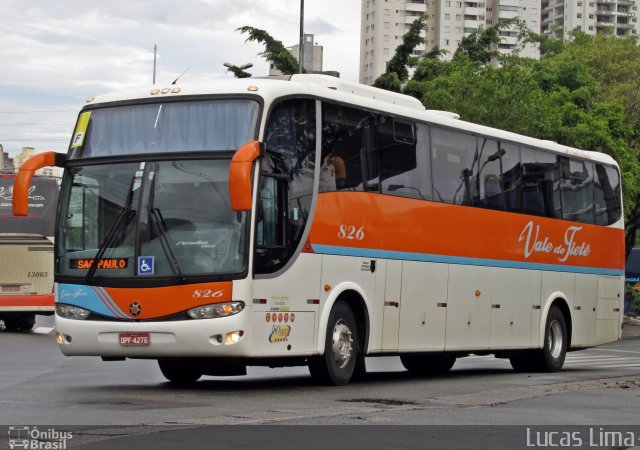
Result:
[
  {"x": 427, "y": 364},
  {"x": 23, "y": 323},
  {"x": 338, "y": 363},
  {"x": 551, "y": 357},
  {"x": 180, "y": 371}
]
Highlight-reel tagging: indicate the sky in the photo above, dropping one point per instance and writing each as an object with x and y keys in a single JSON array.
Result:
[{"x": 56, "y": 53}]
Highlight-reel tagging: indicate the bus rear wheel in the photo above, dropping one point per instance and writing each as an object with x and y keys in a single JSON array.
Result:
[
  {"x": 338, "y": 363},
  {"x": 427, "y": 364},
  {"x": 551, "y": 357},
  {"x": 21, "y": 323},
  {"x": 180, "y": 371}
]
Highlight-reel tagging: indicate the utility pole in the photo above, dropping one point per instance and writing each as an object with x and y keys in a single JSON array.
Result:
[
  {"x": 155, "y": 51},
  {"x": 301, "y": 52}
]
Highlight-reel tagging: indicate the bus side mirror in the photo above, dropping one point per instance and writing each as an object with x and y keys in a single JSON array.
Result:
[
  {"x": 240, "y": 175},
  {"x": 25, "y": 174}
]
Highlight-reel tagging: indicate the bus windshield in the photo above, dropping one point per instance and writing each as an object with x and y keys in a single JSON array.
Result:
[
  {"x": 43, "y": 199},
  {"x": 185, "y": 126},
  {"x": 150, "y": 219}
]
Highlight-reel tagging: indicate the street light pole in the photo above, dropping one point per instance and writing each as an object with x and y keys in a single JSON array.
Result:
[{"x": 301, "y": 50}]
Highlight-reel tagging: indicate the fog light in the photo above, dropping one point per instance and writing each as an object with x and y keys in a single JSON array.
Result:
[
  {"x": 216, "y": 310},
  {"x": 59, "y": 338},
  {"x": 71, "y": 312},
  {"x": 234, "y": 337}
]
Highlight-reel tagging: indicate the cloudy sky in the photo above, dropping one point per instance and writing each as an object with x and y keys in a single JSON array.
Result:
[{"x": 56, "y": 53}]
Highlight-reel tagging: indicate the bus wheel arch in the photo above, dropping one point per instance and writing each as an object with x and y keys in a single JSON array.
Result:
[{"x": 342, "y": 359}]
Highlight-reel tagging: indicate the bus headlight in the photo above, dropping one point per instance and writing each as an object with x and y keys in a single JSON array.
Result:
[
  {"x": 216, "y": 310},
  {"x": 72, "y": 312}
]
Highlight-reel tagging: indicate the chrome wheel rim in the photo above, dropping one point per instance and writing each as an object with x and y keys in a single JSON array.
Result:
[
  {"x": 555, "y": 339},
  {"x": 342, "y": 344}
]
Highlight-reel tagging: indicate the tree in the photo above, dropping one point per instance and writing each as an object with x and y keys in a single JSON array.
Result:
[
  {"x": 396, "y": 72},
  {"x": 274, "y": 52}
]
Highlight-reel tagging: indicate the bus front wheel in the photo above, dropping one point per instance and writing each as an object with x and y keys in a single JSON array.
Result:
[
  {"x": 338, "y": 363},
  {"x": 180, "y": 371}
]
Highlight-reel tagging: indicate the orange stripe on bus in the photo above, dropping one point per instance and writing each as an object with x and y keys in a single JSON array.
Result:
[{"x": 381, "y": 222}]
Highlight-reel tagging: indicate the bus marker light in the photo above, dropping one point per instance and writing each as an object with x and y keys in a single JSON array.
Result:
[
  {"x": 313, "y": 301},
  {"x": 154, "y": 91},
  {"x": 252, "y": 89},
  {"x": 259, "y": 301},
  {"x": 176, "y": 90},
  {"x": 327, "y": 287},
  {"x": 478, "y": 293},
  {"x": 165, "y": 90}
]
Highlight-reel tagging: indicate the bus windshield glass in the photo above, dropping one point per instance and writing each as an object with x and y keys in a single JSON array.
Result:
[
  {"x": 150, "y": 219},
  {"x": 43, "y": 200},
  {"x": 186, "y": 126}
]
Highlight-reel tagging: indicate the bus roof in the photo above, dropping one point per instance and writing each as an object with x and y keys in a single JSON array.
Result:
[{"x": 331, "y": 88}]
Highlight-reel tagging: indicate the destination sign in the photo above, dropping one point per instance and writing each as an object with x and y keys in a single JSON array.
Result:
[{"x": 106, "y": 263}]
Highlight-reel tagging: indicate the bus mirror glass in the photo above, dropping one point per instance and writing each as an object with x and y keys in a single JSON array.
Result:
[
  {"x": 22, "y": 181},
  {"x": 240, "y": 176}
]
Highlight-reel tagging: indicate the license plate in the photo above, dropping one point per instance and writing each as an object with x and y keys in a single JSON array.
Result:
[
  {"x": 11, "y": 288},
  {"x": 135, "y": 339}
]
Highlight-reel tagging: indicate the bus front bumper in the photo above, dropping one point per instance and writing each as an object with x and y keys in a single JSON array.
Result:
[
  {"x": 225, "y": 336},
  {"x": 27, "y": 303}
]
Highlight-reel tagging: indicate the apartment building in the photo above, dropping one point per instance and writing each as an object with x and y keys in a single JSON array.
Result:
[
  {"x": 617, "y": 17},
  {"x": 384, "y": 22},
  {"x": 312, "y": 55}
]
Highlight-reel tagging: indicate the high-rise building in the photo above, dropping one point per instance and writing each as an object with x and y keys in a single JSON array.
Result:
[
  {"x": 20, "y": 158},
  {"x": 618, "y": 17},
  {"x": 384, "y": 22},
  {"x": 311, "y": 56}
]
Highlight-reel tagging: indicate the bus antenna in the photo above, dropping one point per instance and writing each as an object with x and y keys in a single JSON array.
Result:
[{"x": 180, "y": 76}]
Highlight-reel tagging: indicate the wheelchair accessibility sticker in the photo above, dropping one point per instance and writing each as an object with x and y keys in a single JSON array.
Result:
[{"x": 145, "y": 265}]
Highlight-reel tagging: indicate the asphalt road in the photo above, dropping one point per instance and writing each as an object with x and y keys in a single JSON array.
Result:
[{"x": 116, "y": 404}]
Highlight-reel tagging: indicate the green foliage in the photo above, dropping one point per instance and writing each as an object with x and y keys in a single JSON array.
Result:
[
  {"x": 238, "y": 72},
  {"x": 274, "y": 51},
  {"x": 397, "y": 66}
]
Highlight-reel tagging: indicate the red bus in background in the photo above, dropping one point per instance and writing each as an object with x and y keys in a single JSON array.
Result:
[{"x": 26, "y": 253}]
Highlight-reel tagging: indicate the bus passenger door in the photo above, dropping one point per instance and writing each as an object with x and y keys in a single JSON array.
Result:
[{"x": 392, "y": 307}]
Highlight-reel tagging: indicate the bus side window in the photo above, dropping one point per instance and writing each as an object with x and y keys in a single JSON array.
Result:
[
  {"x": 539, "y": 183},
  {"x": 498, "y": 173},
  {"x": 576, "y": 190},
  {"x": 348, "y": 145},
  {"x": 452, "y": 156},
  {"x": 399, "y": 172},
  {"x": 607, "y": 195}
]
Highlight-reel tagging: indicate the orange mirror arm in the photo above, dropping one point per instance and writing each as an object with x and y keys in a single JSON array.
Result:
[
  {"x": 240, "y": 176},
  {"x": 22, "y": 181}
]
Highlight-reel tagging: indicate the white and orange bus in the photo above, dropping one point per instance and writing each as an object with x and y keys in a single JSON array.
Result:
[
  {"x": 26, "y": 253},
  {"x": 312, "y": 221}
]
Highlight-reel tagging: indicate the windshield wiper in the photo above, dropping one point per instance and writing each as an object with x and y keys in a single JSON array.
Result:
[
  {"x": 158, "y": 222},
  {"x": 125, "y": 213}
]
